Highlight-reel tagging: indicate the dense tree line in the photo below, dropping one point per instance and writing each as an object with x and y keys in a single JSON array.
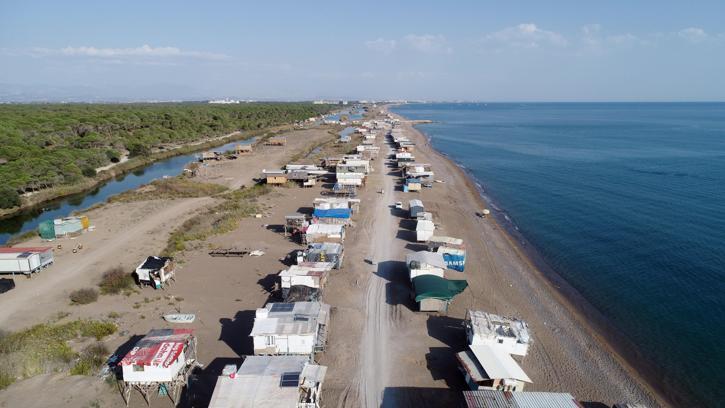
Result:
[{"x": 43, "y": 146}]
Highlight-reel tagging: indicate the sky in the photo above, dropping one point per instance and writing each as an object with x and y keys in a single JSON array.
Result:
[{"x": 482, "y": 50}]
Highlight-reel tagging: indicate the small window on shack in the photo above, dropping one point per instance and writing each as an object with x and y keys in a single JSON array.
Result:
[
  {"x": 270, "y": 340},
  {"x": 138, "y": 368}
]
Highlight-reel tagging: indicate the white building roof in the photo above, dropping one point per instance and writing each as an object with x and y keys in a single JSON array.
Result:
[
  {"x": 327, "y": 229},
  {"x": 495, "y": 363},
  {"x": 299, "y": 318},
  {"x": 298, "y": 270},
  {"x": 267, "y": 382},
  {"x": 433, "y": 259},
  {"x": 415, "y": 203},
  {"x": 488, "y": 325},
  {"x": 425, "y": 225}
]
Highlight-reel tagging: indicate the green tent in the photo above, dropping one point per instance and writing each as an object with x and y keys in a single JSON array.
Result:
[
  {"x": 431, "y": 286},
  {"x": 46, "y": 229}
]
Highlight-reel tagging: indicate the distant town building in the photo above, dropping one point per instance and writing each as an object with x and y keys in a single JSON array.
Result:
[{"x": 225, "y": 101}]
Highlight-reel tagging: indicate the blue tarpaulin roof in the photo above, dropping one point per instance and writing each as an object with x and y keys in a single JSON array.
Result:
[
  {"x": 332, "y": 213},
  {"x": 412, "y": 180}
]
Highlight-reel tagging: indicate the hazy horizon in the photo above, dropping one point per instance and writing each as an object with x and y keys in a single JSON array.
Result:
[{"x": 554, "y": 52}]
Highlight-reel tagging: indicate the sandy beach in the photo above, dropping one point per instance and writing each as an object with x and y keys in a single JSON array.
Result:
[
  {"x": 381, "y": 351},
  {"x": 406, "y": 358}
]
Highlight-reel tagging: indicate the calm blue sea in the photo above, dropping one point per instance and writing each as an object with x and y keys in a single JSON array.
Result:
[{"x": 626, "y": 201}]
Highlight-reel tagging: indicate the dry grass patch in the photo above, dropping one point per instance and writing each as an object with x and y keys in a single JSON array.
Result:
[
  {"x": 168, "y": 188},
  {"x": 83, "y": 296},
  {"x": 44, "y": 348},
  {"x": 116, "y": 280},
  {"x": 219, "y": 219}
]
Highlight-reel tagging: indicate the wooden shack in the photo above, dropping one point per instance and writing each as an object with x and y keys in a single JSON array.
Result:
[
  {"x": 275, "y": 177},
  {"x": 243, "y": 149},
  {"x": 276, "y": 141}
]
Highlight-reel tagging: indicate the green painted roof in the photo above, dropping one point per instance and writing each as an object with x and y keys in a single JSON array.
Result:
[{"x": 431, "y": 286}]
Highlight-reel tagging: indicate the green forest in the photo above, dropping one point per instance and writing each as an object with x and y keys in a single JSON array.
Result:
[{"x": 51, "y": 145}]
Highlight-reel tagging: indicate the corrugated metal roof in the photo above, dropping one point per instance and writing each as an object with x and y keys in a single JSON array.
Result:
[
  {"x": 506, "y": 399},
  {"x": 257, "y": 383},
  {"x": 290, "y": 321}
]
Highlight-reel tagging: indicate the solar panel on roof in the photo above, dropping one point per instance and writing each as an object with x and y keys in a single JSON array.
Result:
[
  {"x": 301, "y": 318},
  {"x": 290, "y": 380},
  {"x": 282, "y": 307}
]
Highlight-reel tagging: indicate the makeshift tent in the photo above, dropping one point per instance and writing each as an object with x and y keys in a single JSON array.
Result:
[
  {"x": 46, "y": 229},
  {"x": 66, "y": 226},
  {"x": 435, "y": 287}
]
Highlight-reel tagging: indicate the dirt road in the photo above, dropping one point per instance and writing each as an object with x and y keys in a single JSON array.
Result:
[{"x": 378, "y": 331}]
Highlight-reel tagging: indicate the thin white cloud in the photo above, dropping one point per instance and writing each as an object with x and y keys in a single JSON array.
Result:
[
  {"x": 625, "y": 39},
  {"x": 693, "y": 34},
  {"x": 526, "y": 35},
  {"x": 143, "y": 52},
  {"x": 428, "y": 43},
  {"x": 591, "y": 29},
  {"x": 382, "y": 45}
]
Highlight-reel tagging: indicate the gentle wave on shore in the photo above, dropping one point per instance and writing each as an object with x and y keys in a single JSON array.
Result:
[{"x": 625, "y": 201}]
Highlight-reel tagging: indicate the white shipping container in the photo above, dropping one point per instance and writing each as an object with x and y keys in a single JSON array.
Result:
[{"x": 22, "y": 263}]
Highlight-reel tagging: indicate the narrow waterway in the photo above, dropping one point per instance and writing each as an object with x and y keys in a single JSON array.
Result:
[{"x": 31, "y": 218}]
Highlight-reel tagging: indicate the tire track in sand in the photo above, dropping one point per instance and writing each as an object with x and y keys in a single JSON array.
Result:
[{"x": 375, "y": 368}]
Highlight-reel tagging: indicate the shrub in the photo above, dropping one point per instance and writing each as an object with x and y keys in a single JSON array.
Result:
[
  {"x": 9, "y": 197},
  {"x": 113, "y": 155},
  {"x": 6, "y": 380},
  {"x": 90, "y": 360},
  {"x": 88, "y": 171},
  {"x": 116, "y": 280},
  {"x": 84, "y": 296},
  {"x": 138, "y": 149}
]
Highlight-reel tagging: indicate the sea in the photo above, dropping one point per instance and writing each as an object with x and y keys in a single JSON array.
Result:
[{"x": 624, "y": 201}]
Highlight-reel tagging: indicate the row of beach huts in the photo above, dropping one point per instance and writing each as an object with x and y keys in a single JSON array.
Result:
[
  {"x": 289, "y": 331},
  {"x": 494, "y": 377}
]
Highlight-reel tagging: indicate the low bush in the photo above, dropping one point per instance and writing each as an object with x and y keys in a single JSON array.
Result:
[
  {"x": 90, "y": 360},
  {"x": 83, "y": 296},
  {"x": 116, "y": 280},
  {"x": 6, "y": 380}
]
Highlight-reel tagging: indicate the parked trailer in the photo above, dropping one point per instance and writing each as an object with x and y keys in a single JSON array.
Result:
[{"x": 25, "y": 260}]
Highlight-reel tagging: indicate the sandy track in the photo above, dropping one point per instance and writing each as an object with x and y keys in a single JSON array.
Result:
[{"x": 377, "y": 334}]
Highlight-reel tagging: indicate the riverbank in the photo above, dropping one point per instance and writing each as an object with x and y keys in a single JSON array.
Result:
[
  {"x": 87, "y": 184},
  {"x": 609, "y": 352}
]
